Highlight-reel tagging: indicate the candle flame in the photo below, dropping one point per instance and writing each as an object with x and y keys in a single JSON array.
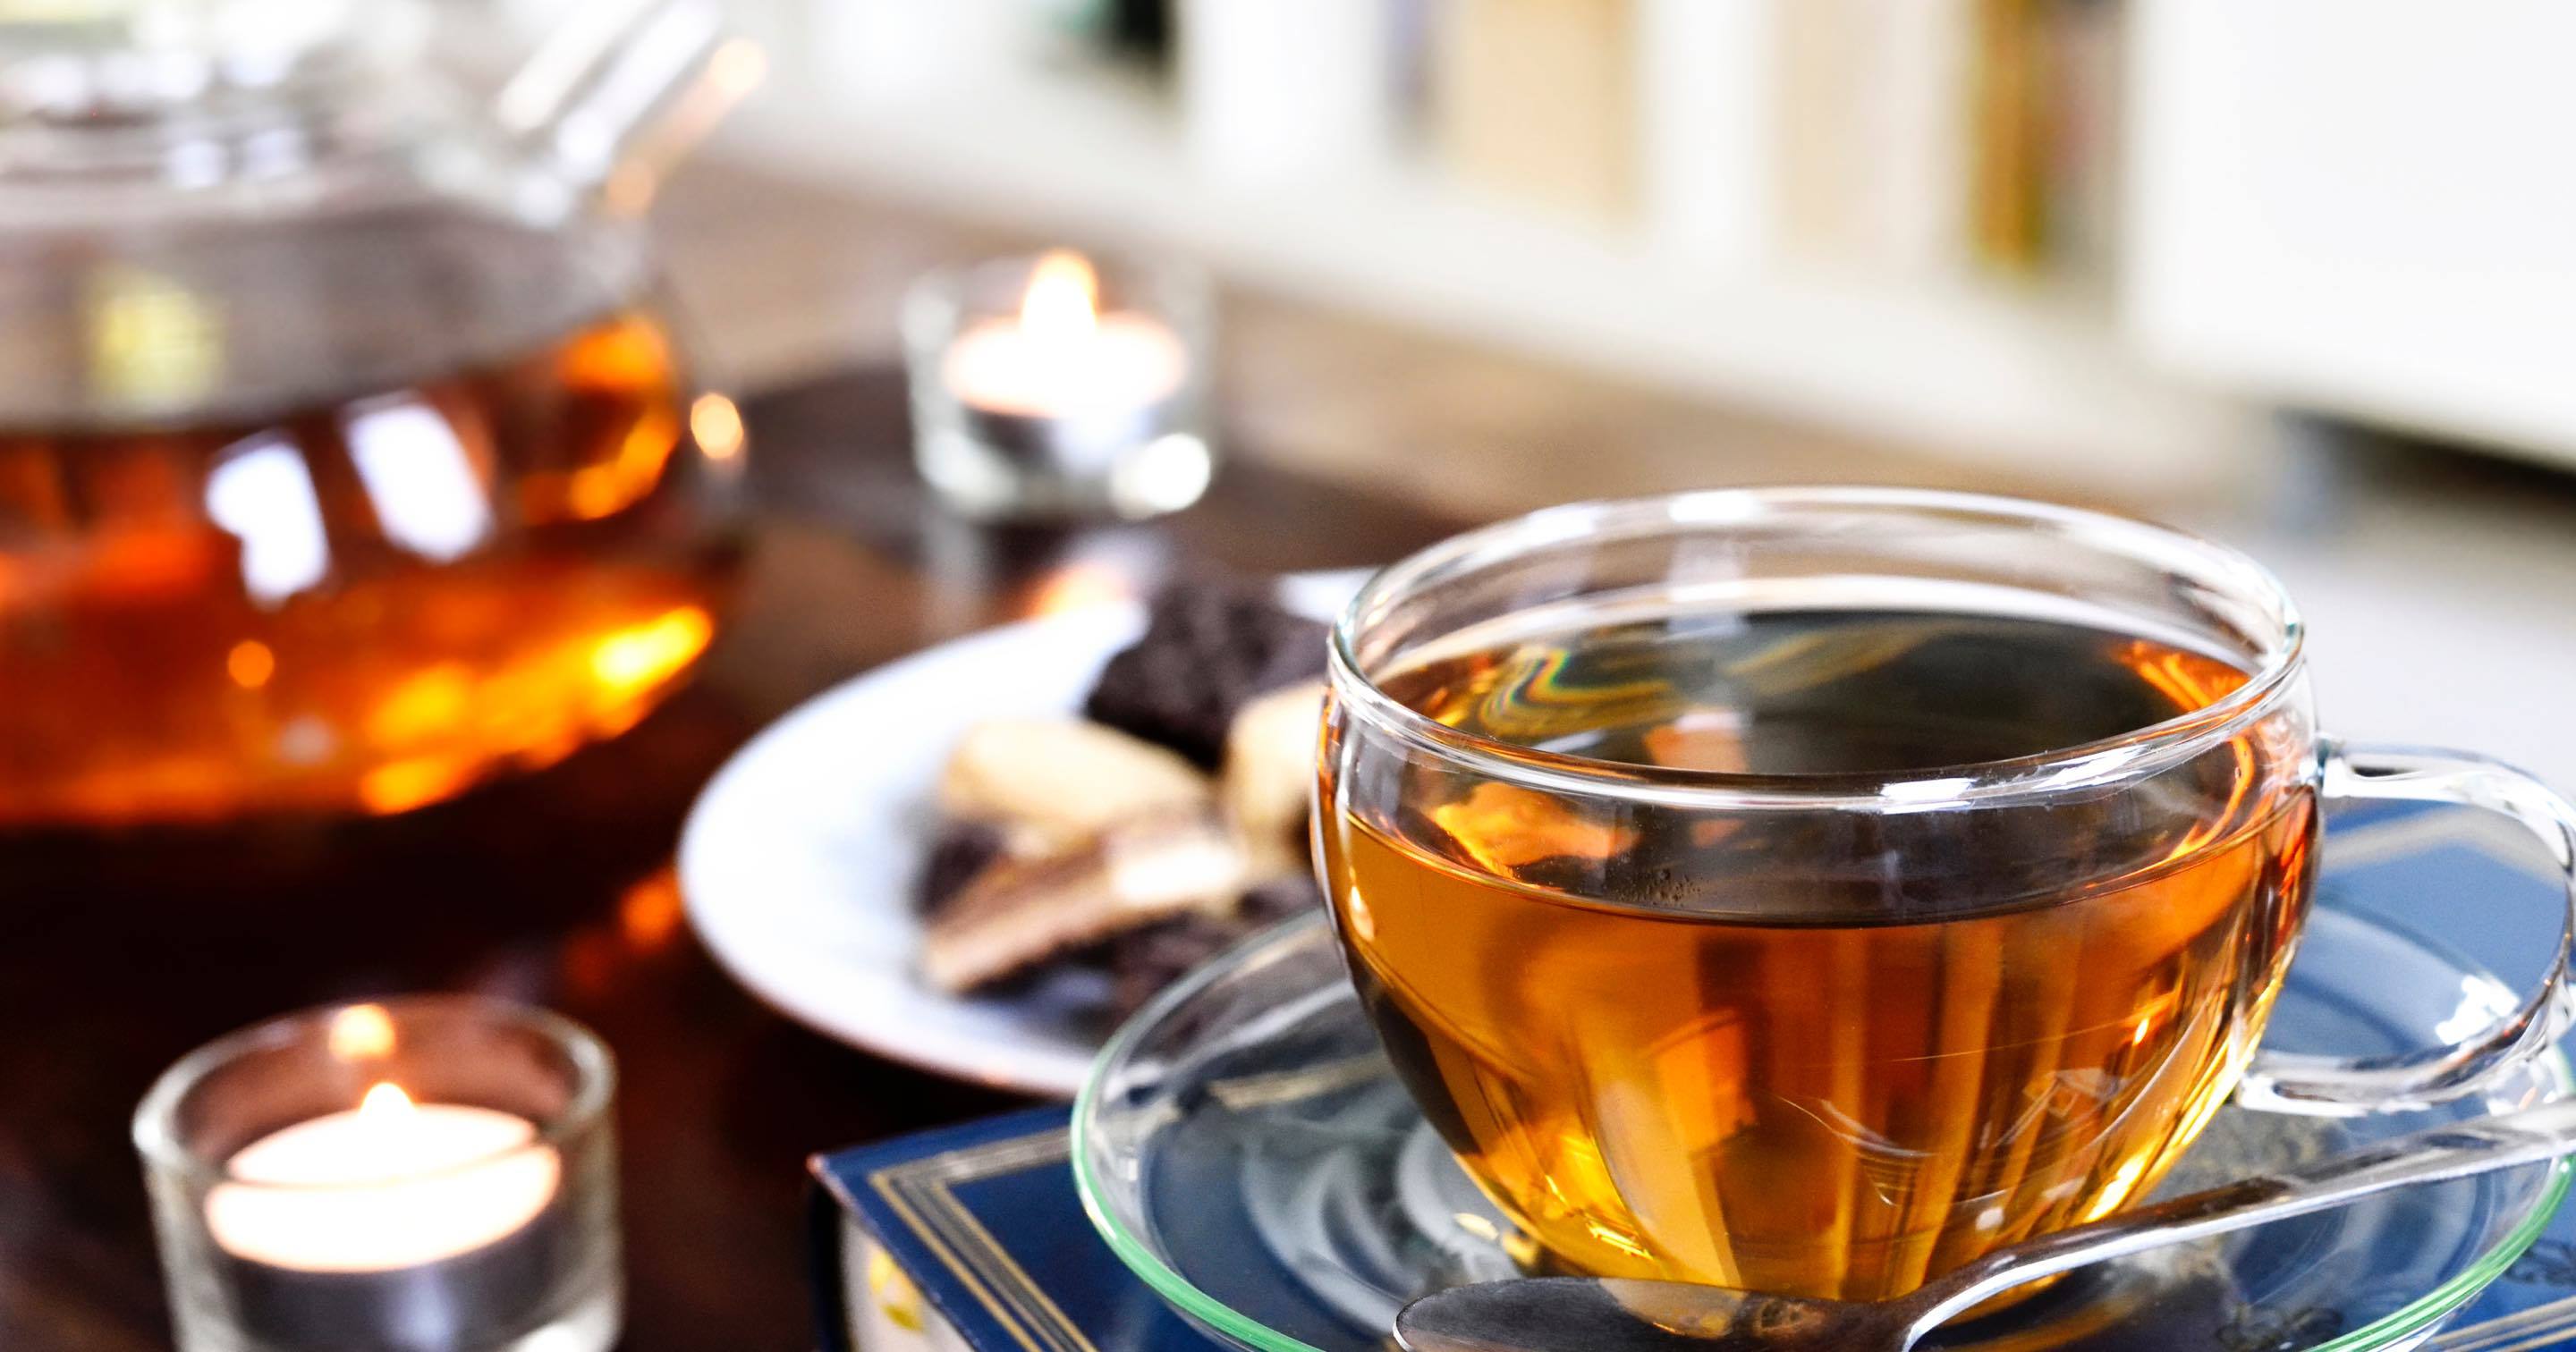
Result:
[
  {"x": 384, "y": 1102},
  {"x": 361, "y": 1033},
  {"x": 716, "y": 423},
  {"x": 1063, "y": 300}
]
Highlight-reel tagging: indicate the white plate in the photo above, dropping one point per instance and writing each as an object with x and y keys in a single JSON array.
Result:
[{"x": 798, "y": 860}]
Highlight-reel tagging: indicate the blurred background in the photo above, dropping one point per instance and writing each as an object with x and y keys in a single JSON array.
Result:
[{"x": 2297, "y": 274}]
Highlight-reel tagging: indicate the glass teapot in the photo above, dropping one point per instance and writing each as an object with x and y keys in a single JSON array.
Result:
[{"x": 344, "y": 459}]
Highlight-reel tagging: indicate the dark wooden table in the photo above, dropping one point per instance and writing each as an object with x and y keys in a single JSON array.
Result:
[{"x": 118, "y": 956}]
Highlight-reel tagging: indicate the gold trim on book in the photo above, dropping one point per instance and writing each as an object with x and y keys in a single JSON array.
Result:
[{"x": 922, "y": 1192}]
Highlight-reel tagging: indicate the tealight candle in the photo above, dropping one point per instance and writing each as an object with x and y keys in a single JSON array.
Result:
[
  {"x": 1036, "y": 394},
  {"x": 388, "y": 1184},
  {"x": 432, "y": 1174},
  {"x": 1060, "y": 357}
]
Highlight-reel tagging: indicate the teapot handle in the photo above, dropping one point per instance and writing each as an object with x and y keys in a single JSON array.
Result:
[{"x": 620, "y": 89}]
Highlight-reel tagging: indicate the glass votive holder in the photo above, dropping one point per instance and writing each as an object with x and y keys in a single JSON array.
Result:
[
  {"x": 425, "y": 1174},
  {"x": 1055, "y": 386}
]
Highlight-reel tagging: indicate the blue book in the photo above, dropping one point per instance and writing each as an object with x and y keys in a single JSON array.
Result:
[{"x": 971, "y": 1239}]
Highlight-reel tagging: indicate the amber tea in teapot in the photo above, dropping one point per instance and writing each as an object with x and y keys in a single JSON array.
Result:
[
  {"x": 173, "y": 682},
  {"x": 344, "y": 458}
]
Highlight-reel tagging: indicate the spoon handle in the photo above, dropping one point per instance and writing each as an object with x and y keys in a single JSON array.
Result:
[{"x": 2437, "y": 1155}]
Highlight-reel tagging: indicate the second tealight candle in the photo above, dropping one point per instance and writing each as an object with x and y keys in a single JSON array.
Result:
[{"x": 1054, "y": 387}]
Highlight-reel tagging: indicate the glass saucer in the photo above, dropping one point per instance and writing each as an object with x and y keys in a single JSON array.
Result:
[{"x": 1244, "y": 1147}]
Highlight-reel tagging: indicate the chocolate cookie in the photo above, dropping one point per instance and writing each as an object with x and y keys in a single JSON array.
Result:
[{"x": 1209, "y": 648}]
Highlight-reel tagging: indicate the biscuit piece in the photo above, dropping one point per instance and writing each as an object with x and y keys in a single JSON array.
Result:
[
  {"x": 1052, "y": 783},
  {"x": 1269, "y": 782},
  {"x": 1019, "y": 913},
  {"x": 1208, "y": 649}
]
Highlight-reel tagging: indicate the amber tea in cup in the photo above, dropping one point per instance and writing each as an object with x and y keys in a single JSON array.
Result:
[
  {"x": 1809, "y": 891},
  {"x": 1800, "y": 1090}
]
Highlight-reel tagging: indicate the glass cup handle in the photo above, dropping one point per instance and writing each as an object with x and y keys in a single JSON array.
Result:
[{"x": 2350, "y": 1086}]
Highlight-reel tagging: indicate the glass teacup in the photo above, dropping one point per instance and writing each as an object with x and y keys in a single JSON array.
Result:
[{"x": 1810, "y": 890}]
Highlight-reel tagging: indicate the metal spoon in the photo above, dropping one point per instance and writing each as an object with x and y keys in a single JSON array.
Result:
[{"x": 1590, "y": 1314}]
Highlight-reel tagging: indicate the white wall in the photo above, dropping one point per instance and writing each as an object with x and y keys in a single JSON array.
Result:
[{"x": 2364, "y": 206}]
